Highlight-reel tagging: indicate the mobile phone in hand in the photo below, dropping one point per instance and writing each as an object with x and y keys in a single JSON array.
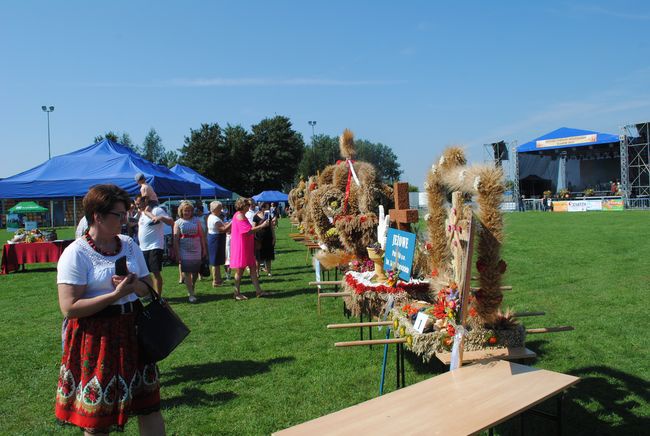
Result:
[{"x": 120, "y": 267}]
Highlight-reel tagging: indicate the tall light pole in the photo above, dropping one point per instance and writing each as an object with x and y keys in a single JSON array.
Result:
[
  {"x": 312, "y": 124},
  {"x": 48, "y": 110}
]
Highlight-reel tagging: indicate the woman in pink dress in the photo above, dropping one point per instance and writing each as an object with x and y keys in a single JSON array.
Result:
[{"x": 242, "y": 247}]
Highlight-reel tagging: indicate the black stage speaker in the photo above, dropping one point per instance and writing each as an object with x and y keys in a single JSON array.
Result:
[{"x": 500, "y": 150}]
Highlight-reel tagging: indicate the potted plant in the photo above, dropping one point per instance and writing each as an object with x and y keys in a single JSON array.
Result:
[{"x": 376, "y": 254}]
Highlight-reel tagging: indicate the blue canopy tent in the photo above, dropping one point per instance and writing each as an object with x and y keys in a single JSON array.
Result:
[
  {"x": 71, "y": 175},
  {"x": 568, "y": 158},
  {"x": 271, "y": 196},
  {"x": 208, "y": 187}
]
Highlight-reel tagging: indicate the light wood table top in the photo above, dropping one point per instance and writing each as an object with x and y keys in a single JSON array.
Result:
[{"x": 465, "y": 401}]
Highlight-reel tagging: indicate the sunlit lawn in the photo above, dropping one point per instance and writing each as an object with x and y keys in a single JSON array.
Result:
[{"x": 258, "y": 366}]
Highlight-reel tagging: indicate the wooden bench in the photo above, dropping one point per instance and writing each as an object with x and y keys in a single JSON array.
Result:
[{"x": 461, "y": 402}]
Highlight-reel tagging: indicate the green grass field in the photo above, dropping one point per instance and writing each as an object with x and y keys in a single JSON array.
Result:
[{"x": 258, "y": 366}]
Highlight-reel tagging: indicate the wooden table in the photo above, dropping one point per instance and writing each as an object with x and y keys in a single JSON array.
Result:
[
  {"x": 15, "y": 255},
  {"x": 465, "y": 401}
]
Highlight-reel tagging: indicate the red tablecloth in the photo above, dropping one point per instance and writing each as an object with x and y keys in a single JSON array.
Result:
[{"x": 14, "y": 255}]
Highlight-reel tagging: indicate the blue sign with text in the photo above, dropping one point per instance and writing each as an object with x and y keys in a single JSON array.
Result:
[{"x": 400, "y": 248}]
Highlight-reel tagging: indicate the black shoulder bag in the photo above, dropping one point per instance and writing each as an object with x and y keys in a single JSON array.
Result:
[{"x": 158, "y": 328}]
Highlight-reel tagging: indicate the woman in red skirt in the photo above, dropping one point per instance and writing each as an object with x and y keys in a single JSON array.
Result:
[{"x": 103, "y": 378}]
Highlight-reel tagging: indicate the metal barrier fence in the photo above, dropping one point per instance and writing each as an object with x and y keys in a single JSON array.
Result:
[{"x": 638, "y": 203}]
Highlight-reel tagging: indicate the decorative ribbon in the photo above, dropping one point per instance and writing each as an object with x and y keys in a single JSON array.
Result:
[
  {"x": 351, "y": 174},
  {"x": 455, "y": 350}
]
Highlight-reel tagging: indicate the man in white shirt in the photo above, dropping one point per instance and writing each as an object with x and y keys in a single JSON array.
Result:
[
  {"x": 251, "y": 213},
  {"x": 151, "y": 236}
]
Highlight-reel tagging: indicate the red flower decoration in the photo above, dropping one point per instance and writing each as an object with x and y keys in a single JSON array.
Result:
[
  {"x": 451, "y": 330},
  {"x": 363, "y": 218},
  {"x": 492, "y": 340},
  {"x": 434, "y": 273}
]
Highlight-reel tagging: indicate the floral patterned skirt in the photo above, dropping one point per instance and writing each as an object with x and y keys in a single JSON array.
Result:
[{"x": 102, "y": 380}]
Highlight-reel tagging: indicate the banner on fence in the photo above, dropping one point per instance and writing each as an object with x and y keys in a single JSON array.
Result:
[{"x": 587, "y": 205}]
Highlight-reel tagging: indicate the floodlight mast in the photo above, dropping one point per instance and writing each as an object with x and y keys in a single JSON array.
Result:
[{"x": 48, "y": 110}]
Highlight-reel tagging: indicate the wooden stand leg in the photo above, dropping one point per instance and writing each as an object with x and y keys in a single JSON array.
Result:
[
  {"x": 370, "y": 329},
  {"x": 361, "y": 328},
  {"x": 560, "y": 400}
]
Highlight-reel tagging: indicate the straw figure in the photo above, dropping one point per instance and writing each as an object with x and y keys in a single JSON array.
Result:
[
  {"x": 342, "y": 209},
  {"x": 487, "y": 185}
]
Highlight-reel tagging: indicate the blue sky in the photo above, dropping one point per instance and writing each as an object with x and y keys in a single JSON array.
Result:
[{"x": 415, "y": 75}]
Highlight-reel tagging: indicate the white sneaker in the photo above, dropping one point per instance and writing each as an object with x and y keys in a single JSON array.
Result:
[{"x": 192, "y": 299}]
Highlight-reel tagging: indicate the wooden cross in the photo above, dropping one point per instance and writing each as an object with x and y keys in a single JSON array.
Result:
[
  {"x": 457, "y": 231},
  {"x": 402, "y": 215}
]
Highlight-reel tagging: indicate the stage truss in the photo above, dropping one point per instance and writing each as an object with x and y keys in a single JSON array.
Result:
[
  {"x": 496, "y": 153},
  {"x": 635, "y": 165}
]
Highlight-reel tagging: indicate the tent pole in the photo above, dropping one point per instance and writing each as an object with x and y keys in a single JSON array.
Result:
[
  {"x": 74, "y": 210},
  {"x": 51, "y": 213}
]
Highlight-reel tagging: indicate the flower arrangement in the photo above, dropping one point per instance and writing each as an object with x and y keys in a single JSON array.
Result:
[
  {"x": 361, "y": 265},
  {"x": 392, "y": 276},
  {"x": 564, "y": 193},
  {"x": 376, "y": 247},
  {"x": 360, "y": 288},
  {"x": 547, "y": 193},
  {"x": 332, "y": 232},
  {"x": 589, "y": 192},
  {"x": 410, "y": 312}
]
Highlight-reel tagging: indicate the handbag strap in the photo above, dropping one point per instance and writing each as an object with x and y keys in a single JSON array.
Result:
[{"x": 152, "y": 292}]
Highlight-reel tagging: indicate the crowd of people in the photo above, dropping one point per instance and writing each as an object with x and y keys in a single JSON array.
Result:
[{"x": 104, "y": 378}]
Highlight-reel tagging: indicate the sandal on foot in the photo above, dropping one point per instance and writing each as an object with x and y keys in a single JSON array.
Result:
[
  {"x": 217, "y": 284},
  {"x": 240, "y": 297},
  {"x": 263, "y": 294},
  {"x": 192, "y": 299}
]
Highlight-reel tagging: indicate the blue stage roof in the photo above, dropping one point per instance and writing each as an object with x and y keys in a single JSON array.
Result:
[{"x": 566, "y": 137}]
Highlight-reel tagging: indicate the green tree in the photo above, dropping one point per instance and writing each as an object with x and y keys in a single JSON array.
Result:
[
  {"x": 203, "y": 150},
  {"x": 124, "y": 139},
  {"x": 169, "y": 158},
  {"x": 152, "y": 148},
  {"x": 324, "y": 151},
  {"x": 382, "y": 157},
  {"x": 277, "y": 151},
  {"x": 236, "y": 170}
]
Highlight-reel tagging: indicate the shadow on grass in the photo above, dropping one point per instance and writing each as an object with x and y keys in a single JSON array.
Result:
[
  {"x": 194, "y": 397},
  {"x": 30, "y": 268},
  {"x": 287, "y": 251},
  {"x": 612, "y": 396},
  {"x": 202, "y": 297},
  {"x": 433, "y": 367},
  {"x": 610, "y": 390},
  {"x": 277, "y": 292},
  {"x": 228, "y": 369},
  {"x": 538, "y": 347}
]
